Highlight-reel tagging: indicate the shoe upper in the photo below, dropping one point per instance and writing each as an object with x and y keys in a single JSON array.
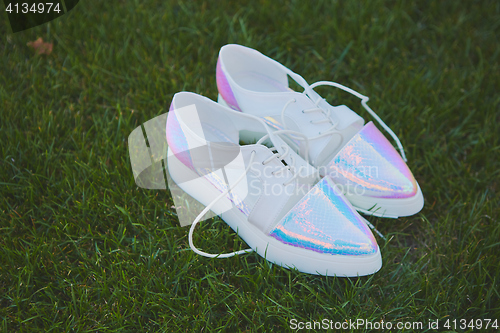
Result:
[
  {"x": 282, "y": 197},
  {"x": 309, "y": 224},
  {"x": 253, "y": 83},
  {"x": 369, "y": 164}
]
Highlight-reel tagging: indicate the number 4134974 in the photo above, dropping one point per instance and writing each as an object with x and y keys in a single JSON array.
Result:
[
  {"x": 39, "y": 8},
  {"x": 472, "y": 323}
]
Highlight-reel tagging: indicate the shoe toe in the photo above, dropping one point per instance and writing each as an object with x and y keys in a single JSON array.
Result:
[
  {"x": 369, "y": 165},
  {"x": 323, "y": 221}
]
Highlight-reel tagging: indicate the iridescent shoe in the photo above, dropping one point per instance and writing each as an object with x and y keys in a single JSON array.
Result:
[
  {"x": 358, "y": 157},
  {"x": 270, "y": 196}
]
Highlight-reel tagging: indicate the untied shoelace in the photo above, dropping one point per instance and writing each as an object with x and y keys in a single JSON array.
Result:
[
  {"x": 289, "y": 167},
  {"x": 298, "y": 136}
]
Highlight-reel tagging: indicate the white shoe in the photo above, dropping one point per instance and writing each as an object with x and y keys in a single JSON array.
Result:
[
  {"x": 273, "y": 200},
  {"x": 372, "y": 175}
]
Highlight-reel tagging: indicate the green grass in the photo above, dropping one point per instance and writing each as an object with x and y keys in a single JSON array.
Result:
[{"x": 83, "y": 249}]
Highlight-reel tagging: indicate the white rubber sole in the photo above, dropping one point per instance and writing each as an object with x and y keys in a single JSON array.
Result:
[
  {"x": 384, "y": 207},
  {"x": 288, "y": 256}
]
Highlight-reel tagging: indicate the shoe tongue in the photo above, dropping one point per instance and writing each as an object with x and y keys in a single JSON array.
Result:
[
  {"x": 348, "y": 124},
  {"x": 341, "y": 114},
  {"x": 307, "y": 173},
  {"x": 307, "y": 178}
]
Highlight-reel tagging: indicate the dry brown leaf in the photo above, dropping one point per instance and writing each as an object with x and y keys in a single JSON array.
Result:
[{"x": 40, "y": 46}]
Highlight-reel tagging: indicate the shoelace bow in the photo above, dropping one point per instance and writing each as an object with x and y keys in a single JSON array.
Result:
[{"x": 333, "y": 129}]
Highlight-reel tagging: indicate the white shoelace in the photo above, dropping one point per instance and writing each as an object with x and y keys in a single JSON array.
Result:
[
  {"x": 373, "y": 228},
  {"x": 289, "y": 167},
  {"x": 332, "y": 129}
]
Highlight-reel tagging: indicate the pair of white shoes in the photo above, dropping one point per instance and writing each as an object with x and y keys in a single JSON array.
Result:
[{"x": 293, "y": 195}]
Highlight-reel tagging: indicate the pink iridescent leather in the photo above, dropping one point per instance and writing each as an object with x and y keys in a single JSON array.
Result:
[
  {"x": 224, "y": 88},
  {"x": 369, "y": 165},
  {"x": 325, "y": 222}
]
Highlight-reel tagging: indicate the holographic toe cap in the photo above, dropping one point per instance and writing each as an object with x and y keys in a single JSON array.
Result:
[
  {"x": 323, "y": 221},
  {"x": 369, "y": 165}
]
